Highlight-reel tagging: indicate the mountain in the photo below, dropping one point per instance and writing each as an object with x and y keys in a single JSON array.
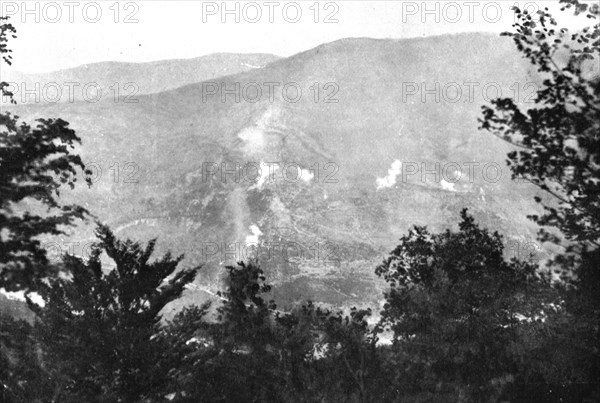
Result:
[
  {"x": 351, "y": 201},
  {"x": 109, "y": 80}
]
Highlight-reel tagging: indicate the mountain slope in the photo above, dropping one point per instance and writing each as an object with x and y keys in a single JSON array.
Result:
[{"x": 337, "y": 224}]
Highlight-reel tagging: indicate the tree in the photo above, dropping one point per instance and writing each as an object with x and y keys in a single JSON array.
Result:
[
  {"x": 558, "y": 140},
  {"x": 234, "y": 358},
  {"x": 34, "y": 164},
  {"x": 6, "y": 29},
  {"x": 253, "y": 352},
  {"x": 456, "y": 306},
  {"x": 97, "y": 326},
  {"x": 558, "y": 149},
  {"x": 22, "y": 375},
  {"x": 349, "y": 349}
]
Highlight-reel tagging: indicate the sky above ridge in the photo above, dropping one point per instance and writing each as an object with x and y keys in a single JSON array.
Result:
[{"x": 55, "y": 35}]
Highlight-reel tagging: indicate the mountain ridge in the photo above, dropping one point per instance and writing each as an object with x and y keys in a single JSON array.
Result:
[{"x": 132, "y": 79}]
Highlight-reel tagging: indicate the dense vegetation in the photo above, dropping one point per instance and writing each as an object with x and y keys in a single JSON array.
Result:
[{"x": 466, "y": 324}]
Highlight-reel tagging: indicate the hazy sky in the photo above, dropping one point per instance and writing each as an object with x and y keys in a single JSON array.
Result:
[{"x": 62, "y": 34}]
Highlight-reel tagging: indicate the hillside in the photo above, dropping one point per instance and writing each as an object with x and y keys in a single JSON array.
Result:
[{"x": 350, "y": 213}]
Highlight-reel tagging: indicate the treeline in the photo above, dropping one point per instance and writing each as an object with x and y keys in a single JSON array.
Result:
[{"x": 466, "y": 324}]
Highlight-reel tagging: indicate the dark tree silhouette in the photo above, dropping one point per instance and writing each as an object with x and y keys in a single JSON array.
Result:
[
  {"x": 98, "y": 323},
  {"x": 34, "y": 163},
  {"x": 558, "y": 149},
  {"x": 252, "y": 352},
  {"x": 456, "y": 308},
  {"x": 558, "y": 140}
]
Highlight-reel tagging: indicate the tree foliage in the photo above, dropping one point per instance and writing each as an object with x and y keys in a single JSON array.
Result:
[
  {"x": 97, "y": 324},
  {"x": 558, "y": 140},
  {"x": 252, "y": 352},
  {"x": 455, "y": 306},
  {"x": 6, "y": 30},
  {"x": 558, "y": 150},
  {"x": 35, "y": 162}
]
